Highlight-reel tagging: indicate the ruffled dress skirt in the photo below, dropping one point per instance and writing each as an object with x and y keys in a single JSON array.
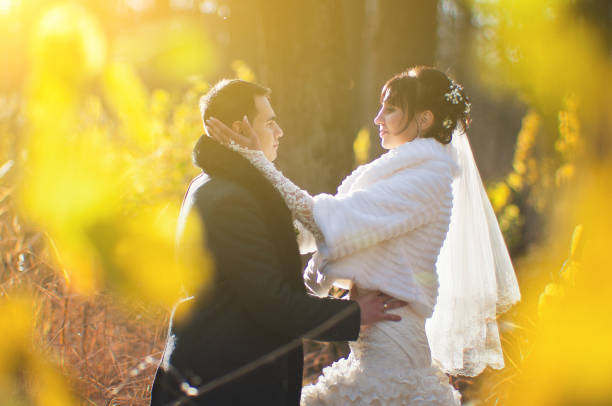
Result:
[{"x": 389, "y": 365}]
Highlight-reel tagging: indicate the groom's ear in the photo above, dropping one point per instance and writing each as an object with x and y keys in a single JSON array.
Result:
[{"x": 237, "y": 127}]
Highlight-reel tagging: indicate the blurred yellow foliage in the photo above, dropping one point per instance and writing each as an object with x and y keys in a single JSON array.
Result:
[
  {"x": 504, "y": 195},
  {"x": 549, "y": 299},
  {"x": 569, "y": 143},
  {"x": 554, "y": 292},
  {"x": 128, "y": 98},
  {"x": 18, "y": 314},
  {"x": 145, "y": 253},
  {"x": 525, "y": 142},
  {"x": 169, "y": 49},
  {"x": 361, "y": 146},
  {"x": 534, "y": 178},
  {"x": 103, "y": 164},
  {"x": 558, "y": 64},
  {"x": 499, "y": 194},
  {"x": 540, "y": 49},
  {"x": 570, "y": 358},
  {"x": 25, "y": 376},
  {"x": 576, "y": 245},
  {"x": 99, "y": 172},
  {"x": 565, "y": 174},
  {"x": 68, "y": 44}
]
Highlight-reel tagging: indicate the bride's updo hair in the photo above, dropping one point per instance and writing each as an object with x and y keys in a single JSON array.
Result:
[{"x": 425, "y": 88}]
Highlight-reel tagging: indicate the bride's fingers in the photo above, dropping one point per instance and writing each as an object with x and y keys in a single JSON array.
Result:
[
  {"x": 395, "y": 304},
  {"x": 215, "y": 132},
  {"x": 229, "y": 134},
  {"x": 249, "y": 131},
  {"x": 384, "y": 297},
  {"x": 217, "y": 129},
  {"x": 250, "y": 134},
  {"x": 391, "y": 317}
]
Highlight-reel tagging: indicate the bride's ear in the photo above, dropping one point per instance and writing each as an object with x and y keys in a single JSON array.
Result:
[
  {"x": 426, "y": 119},
  {"x": 237, "y": 127}
]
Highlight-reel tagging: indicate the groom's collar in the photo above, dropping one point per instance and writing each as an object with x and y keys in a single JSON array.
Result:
[
  {"x": 217, "y": 160},
  {"x": 221, "y": 162}
]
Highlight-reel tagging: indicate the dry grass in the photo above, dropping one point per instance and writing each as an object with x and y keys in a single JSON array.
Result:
[{"x": 107, "y": 348}]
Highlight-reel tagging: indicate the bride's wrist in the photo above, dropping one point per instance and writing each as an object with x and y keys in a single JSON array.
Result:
[
  {"x": 252, "y": 155},
  {"x": 241, "y": 148}
]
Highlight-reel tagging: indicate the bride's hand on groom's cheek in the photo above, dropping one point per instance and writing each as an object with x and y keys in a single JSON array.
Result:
[{"x": 245, "y": 136}]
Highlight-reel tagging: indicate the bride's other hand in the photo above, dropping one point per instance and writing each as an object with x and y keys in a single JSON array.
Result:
[{"x": 246, "y": 137}]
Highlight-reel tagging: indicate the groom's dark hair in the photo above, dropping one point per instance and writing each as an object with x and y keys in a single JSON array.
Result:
[{"x": 230, "y": 99}]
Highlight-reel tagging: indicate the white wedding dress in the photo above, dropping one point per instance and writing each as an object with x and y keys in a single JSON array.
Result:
[
  {"x": 390, "y": 364},
  {"x": 382, "y": 231}
]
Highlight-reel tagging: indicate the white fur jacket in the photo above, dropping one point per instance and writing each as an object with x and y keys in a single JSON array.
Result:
[{"x": 384, "y": 228}]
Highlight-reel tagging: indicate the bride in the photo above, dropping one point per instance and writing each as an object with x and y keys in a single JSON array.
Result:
[{"x": 416, "y": 224}]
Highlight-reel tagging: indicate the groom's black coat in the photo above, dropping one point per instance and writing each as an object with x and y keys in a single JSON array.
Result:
[{"x": 257, "y": 303}]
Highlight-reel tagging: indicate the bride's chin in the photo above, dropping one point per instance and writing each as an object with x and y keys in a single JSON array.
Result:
[{"x": 383, "y": 145}]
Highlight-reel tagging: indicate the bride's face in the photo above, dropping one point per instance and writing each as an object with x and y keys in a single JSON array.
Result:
[{"x": 392, "y": 127}]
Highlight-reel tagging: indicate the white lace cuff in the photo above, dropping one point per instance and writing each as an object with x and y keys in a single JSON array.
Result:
[{"x": 300, "y": 203}]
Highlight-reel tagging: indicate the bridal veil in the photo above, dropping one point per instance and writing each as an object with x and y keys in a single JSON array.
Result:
[{"x": 476, "y": 277}]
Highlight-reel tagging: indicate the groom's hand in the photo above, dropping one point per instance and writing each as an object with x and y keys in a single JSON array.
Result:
[{"x": 374, "y": 306}]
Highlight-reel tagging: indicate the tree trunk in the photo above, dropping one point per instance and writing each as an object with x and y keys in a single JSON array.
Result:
[
  {"x": 309, "y": 66},
  {"x": 404, "y": 34}
]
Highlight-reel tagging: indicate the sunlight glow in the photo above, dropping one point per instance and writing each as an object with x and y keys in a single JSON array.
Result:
[
  {"x": 182, "y": 4},
  {"x": 6, "y": 6},
  {"x": 208, "y": 7},
  {"x": 138, "y": 5}
]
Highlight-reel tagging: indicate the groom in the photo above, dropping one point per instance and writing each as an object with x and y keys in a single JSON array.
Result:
[{"x": 241, "y": 342}]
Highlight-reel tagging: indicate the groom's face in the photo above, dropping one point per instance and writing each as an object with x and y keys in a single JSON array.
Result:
[{"x": 266, "y": 127}]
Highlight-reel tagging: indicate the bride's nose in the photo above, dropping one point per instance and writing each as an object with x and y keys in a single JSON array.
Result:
[{"x": 378, "y": 119}]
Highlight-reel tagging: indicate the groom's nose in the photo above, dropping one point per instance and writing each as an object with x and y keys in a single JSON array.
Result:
[{"x": 279, "y": 132}]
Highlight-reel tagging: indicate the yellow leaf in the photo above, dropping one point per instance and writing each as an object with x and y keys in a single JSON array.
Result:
[{"x": 361, "y": 146}]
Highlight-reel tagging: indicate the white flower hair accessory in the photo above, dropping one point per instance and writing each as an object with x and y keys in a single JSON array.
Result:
[
  {"x": 447, "y": 123},
  {"x": 454, "y": 95}
]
